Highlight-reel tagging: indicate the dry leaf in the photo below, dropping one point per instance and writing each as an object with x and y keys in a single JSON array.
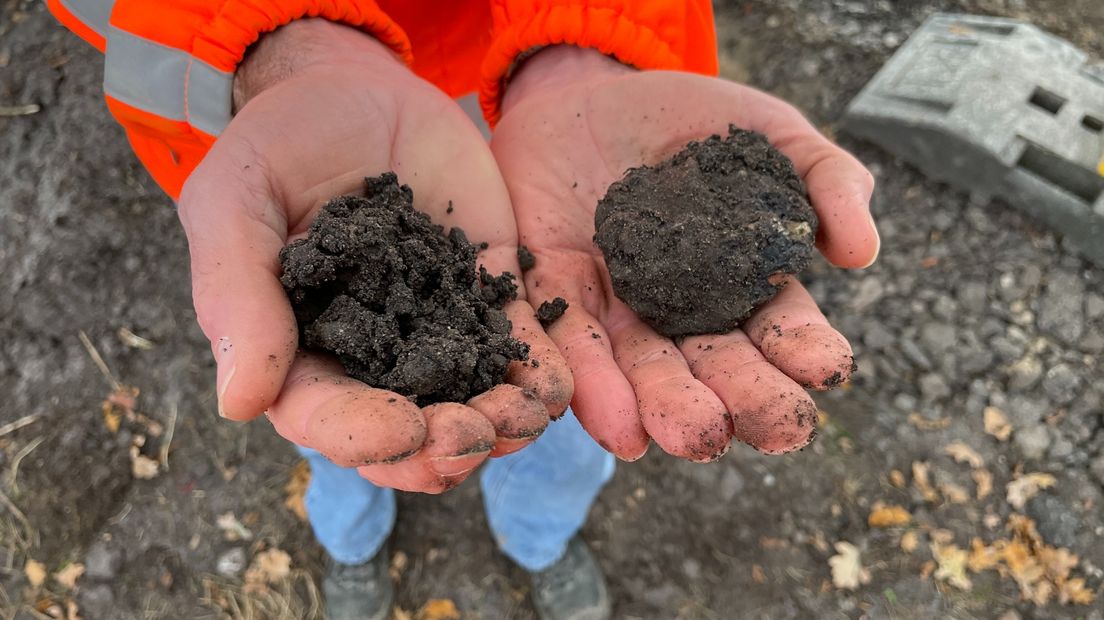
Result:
[
  {"x": 923, "y": 482},
  {"x": 928, "y": 424},
  {"x": 296, "y": 488},
  {"x": 757, "y": 574},
  {"x": 926, "y": 569},
  {"x": 71, "y": 611},
  {"x": 69, "y": 575},
  {"x": 847, "y": 569},
  {"x": 888, "y": 516},
  {"x": 267, "y": 567},
  {"x": 438, "y": 609},
  {"x": 1075, "y": 592},
  {"x": 909, "y": 542},
  {"x": 1022, "y": 489},
  {"x": 984, "y": 481},
  {"x": 897, "y": 479},
  {"x": 996, "y": 424},
  {"x": 401, "y": 614},
  {"x": 983, "y": 557},
  {"x": 398, "y": 565},
  {"x": 952, "y": 566},
  {"x": 35, "y": 572},
  {"x": 142, "y": 466},
  {"x": 963, "y": 453},
  {"x": 954, "y": 493}
]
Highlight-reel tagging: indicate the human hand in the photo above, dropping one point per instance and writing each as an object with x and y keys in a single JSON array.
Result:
[
  {"x": 573, "y": 122},
  {"x": 323, "y": 106}
]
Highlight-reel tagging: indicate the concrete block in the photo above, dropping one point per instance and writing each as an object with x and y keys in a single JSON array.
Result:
[{"x": 999, "y": 108}]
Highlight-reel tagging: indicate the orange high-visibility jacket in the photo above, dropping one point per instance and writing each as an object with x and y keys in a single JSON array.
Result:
[{"x": 169, "y": 65}]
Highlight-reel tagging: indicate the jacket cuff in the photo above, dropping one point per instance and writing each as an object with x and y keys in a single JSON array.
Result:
[
  {"x": 169, "y": 68},
  {"x": 646, "y": 34}
]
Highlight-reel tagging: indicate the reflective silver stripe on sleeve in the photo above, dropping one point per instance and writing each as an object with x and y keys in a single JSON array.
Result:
[
  {"x": 210, "y": 98},
  {"x": 167, "y": 82},
  {"x": 93, "y": 13}
]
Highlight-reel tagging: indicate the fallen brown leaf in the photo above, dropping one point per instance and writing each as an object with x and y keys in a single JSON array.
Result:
[
  {"x": 928, "y": 424},
  {"x": 888, "y": 516},
  {"x": 35, "y": 572},
  {"x": 757, "y": 574},
  {"x": 897, "y": 479},
  {"x": 954, "y": 493},
  {"x": 951, "y": 566},
  {"x": 69, "y": 575},
  {"x": 438, "y": 609},
  {"x": 267, "y": 567},
  {"x": 848, "y": 572},
  {"x": 922, "y": 480},
  {"x": 1022, "y": 489},
  {"x": 963, "y": 453},
  {"x": 296, "y": 488},
  {"x": 909, "y": 541},
  {"x": 984, "y": 481},
  {"x": 996, "y": 424}
]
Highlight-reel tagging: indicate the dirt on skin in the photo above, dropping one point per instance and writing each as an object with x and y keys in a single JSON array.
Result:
[
  {"x": 696, "y": 243},
  {"x": 397, "y": 300}
]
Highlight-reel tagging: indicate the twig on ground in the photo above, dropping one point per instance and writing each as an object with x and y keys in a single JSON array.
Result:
[
  {"x": 99, "y": 361},
  {"x": 16, "y": 512},
  {"x": 167, "y": 441},
  {"x": 19, "y": 456},
  {"x": 26, "y": 420},
  {"x": 19, "y": 110}
]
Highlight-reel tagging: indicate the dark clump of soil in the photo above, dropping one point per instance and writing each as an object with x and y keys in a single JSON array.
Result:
[
  {"x": 550, "y": 311},
  {"x": 397, "y": 300},
  {"x": 696, "y": 243},
  {"x": 526, "y": 259}
]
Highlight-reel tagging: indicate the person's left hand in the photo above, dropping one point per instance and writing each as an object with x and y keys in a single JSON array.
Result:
[{"x": 573, "y": 122}]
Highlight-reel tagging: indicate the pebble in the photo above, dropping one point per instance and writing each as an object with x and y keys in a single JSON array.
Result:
[
  {"x": 1094, "y": 306},
  {"x": 1061, "y": 384},
  {"x": 878, "y": 337},
  {"x": 731, "y": 485},
  {"x": 934, "y": 387},
  {"x": 1061, "y": 309},
  {"x": 914, "y": 354},
  {"x": 938, "y": 338},
  {"x": 1032, "y": 441},
  {"x": 231, "y": 563},
  {"x": 1024, "y": 374},
  {"x": 1055, "y": 520},
  {"x": 102, "y": 562}
]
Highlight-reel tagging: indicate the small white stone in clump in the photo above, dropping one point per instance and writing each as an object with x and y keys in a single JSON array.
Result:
[{"x": 231, "y": 563}]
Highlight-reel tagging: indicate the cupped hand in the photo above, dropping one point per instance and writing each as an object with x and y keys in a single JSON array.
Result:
[
  {"x": 573, "y": 122},
  {"x": 323, "y": 106}
]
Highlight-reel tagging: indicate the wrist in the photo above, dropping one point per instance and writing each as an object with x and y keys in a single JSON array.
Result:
[
  {"x": 558, "y": 67},
  {"x": 301, "y": 44}
]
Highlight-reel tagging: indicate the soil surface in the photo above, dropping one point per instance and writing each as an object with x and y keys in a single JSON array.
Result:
[
  {"x": 696, "y": 243},
  {"x": 969, "y": 306},
  {"x": 397, "y": 300}
]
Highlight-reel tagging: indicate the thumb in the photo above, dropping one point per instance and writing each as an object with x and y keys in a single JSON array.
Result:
[{"x": 235, "y": 230}]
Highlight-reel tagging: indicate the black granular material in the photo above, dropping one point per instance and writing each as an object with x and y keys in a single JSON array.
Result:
[
  {"x": 398, "y": 301},
  {"x": 696, "y": 243},
  {"x": 526, "y": 260},
  {"x": 550, "y": 311}
]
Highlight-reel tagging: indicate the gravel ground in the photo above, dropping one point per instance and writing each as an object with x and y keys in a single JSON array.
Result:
[{"x": 970, "y": 307}]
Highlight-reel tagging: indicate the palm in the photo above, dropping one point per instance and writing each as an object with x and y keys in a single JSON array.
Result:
[
  {"x": 309, "y": 138},
  {"x": 558, "y": 155}
]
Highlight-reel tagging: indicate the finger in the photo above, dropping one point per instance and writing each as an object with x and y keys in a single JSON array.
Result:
[
  {"x": 348, "y": 422},
  {"x": 517, "y": 415},
  {"x": 604, "y": 401},
  {"x": 458, "y": 439},
  {"x": 546, "y": 372},
  {"x": 235, "y": 232},
  {"x": 839, "y": 185},
  {"x": 793, "y": 335},
  {"x": 680, "y": 412},
  {"x": 769, "y": 411}
]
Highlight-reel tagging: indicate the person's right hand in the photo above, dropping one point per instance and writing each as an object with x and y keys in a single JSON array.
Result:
[{"x": 323, "y": 106}]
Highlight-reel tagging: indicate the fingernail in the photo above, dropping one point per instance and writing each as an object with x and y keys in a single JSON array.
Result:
[
  {"x": 458, "y": 465},
  {"x": 639, "y": 456},
  {"x": 878, "y": 248},
  {"x": 224, "y": 357}
]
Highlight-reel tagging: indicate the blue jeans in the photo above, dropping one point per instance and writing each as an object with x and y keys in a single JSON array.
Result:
[{"x": 536, "y": 499}]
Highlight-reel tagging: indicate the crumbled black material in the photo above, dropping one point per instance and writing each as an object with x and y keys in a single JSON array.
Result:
[{"x": 398, "y": 301}]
